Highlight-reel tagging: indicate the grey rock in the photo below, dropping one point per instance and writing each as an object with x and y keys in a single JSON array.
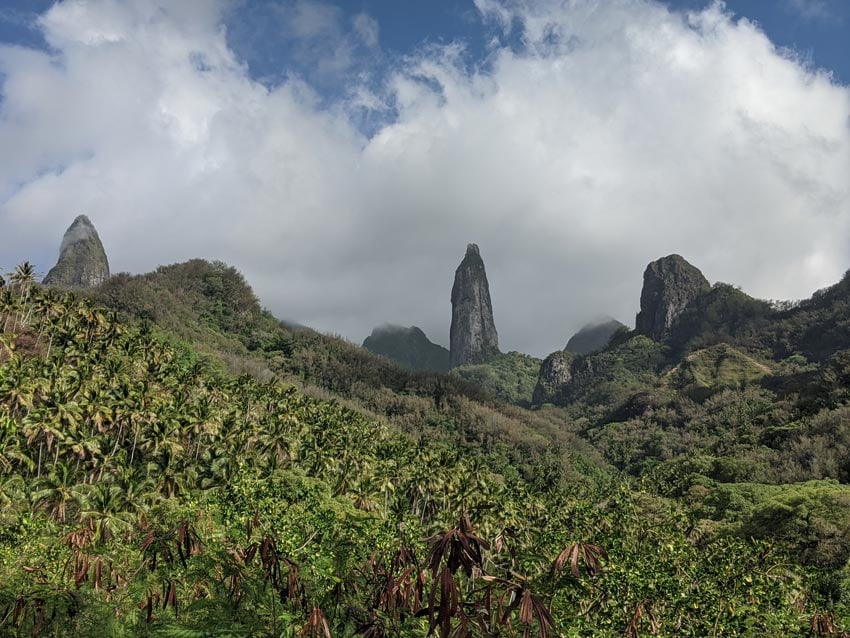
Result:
[
  {"x": 555, "y": 373},
  {"x": 473, "y": 337},
  {"x": 409, "y": 347},
  {"x": 594, "y": 336},
  {"x": 82, "y": 260},
  {"x": 669, "y": 285}
]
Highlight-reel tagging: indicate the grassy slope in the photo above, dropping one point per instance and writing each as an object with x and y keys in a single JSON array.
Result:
[{"x": 702, "y": 372}]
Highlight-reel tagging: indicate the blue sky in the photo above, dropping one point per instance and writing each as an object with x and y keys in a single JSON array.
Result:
[
  {"x": 817, "y": 30},
  {"x": 342, "y": 155}
]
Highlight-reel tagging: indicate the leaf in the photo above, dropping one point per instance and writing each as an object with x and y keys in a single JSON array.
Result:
[
  {"x": 643, "y": 609},
  {"x": 317, "y": 625},
  {"x": 591, "y": 555}
]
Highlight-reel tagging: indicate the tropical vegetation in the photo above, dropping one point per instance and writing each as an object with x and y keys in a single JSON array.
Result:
[{"x": 175, "y": 461}]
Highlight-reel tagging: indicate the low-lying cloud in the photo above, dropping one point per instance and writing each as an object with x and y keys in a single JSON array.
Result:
[{"x": 594, "y": 137}]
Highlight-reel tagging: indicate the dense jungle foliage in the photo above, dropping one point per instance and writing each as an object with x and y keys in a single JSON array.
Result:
[
  {"x": 177, "y": 462},
  {"x": 509, "y": 376}
]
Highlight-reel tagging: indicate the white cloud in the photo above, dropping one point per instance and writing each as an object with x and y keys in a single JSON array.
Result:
[
  {"x": 322, "y": 39},
  {"x": 811, "y": 9},
  {"x": 367, "y": 29},
  {"x": 617, "y": 133}
]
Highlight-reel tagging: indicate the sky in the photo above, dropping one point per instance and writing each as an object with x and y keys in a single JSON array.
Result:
[{"x": 342, "y": 155}]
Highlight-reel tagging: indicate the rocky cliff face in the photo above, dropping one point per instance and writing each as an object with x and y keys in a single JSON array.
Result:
[
  {"x": 409, "y": 347},
  {"x": 669, "y": 285},
  {"x": 555, "y": 372},
  {"x": 473, "y": 337},
  {"x": 594, "y": 336},
  {"x": 82, "y": 260}
]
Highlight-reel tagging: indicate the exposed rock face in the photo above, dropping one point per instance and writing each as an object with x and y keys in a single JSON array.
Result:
[
  {"x": 594, "y": 336},
  {"x": 555, "y": 372},
  {"x": 669, "y": 285},
  {"x": 473, "y": 337},
  {"x": 82, "y": 260},
  {"x": 409, "y": 347}
]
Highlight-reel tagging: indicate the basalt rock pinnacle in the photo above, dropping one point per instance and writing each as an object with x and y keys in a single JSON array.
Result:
[
  {"x": 82, "y": 260},
  {"x": 669, "y": 285},
  {"x": 473, "y": 337}
]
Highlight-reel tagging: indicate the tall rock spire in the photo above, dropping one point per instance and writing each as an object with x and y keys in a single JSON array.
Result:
[
  {"x": 669, "y": 285},
  {"x": 473, "y": 337},
  {"x": 82, "y": 260}
]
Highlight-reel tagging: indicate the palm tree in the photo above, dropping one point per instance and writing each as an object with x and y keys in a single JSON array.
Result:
[
  {"x": 13, "y": 491},
  {"x": 14, "y": 453},
  {"x": 101, "y": 507},
  {"x": 55, "y": 492},
  {"x": 137, "y": 492},
  {"x": 16, "y": 388},
  {"x": 53, "y": 309},
  {"x": 8, "y": 306},
  {"x": 22, "y": 278}
]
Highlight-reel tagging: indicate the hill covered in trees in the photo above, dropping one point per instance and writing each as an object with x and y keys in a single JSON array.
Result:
[
  {"x": 178, "y": 462},
  {"x": 409, "y": 347}
]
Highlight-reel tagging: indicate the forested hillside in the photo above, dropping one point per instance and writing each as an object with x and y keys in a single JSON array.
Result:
[{"x": 177, "y": 462}]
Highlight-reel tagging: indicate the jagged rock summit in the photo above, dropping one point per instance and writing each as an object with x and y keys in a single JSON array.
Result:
[
  {"x": 409, "y": 347},
  {"x": 473, "y": 337},
  {"x": 594, "y": 336},
  {"x": 669, "y": 285},
  {"x": 82, "y": 260}
]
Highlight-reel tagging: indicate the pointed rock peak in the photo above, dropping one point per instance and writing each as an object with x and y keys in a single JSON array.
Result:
[
  {"x": 673, "y": 261},
  {"x": 82, "y": 259},
  {"x": 669, "y": 285},
  {"x": 81, "y": 229},
  {"x": 473, "y": 337},
  {"x": 472, "y": 258},
  {"x": 676, "y": 266}
]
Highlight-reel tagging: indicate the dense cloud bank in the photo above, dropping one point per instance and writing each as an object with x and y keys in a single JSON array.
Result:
[{"x": 593, "y": 138}]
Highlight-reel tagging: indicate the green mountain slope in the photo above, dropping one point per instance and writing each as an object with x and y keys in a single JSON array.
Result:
[
  {"x": 409, "y": 347},
  {"x": 738, "y": 379},
  {"x": 185, "y": 461},
  {"x": 148, "y": 492},
  {"x": 211, "y": 308},
  {"x": 815, "y": 328}
]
